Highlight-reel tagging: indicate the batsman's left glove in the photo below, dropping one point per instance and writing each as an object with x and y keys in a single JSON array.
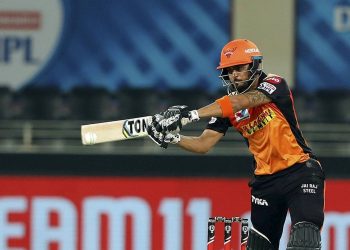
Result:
[{"x": 176, "y": 117}]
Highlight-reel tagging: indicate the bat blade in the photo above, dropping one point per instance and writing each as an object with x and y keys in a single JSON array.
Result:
[{"x": 115, "y": 130}]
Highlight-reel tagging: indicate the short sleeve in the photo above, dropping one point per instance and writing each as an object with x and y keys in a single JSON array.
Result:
[
  {"x": 219, "y": 124},
  {"x": 274, "y": 87}
]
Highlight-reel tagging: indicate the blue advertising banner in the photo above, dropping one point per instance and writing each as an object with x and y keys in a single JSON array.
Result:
[
  {"x": 323, "y": 44},
  {"x": 158, "y": 44}
]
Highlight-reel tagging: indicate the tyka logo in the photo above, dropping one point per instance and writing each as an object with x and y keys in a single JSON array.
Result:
[{"x": 259, "y": 201}]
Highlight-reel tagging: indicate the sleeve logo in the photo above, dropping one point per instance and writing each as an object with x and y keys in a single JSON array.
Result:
[
  {"x": 212, "y": 120},
  {"x": 242, "y": 115},
  {"x": 268, "y": 87},
  {"x": 273, "y": 80}
]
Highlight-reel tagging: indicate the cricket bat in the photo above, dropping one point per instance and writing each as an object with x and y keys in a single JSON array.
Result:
[{"x": 115, "y": 130}]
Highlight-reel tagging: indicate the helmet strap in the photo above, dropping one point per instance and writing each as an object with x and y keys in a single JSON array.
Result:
[{"x": 254, "y": 71}]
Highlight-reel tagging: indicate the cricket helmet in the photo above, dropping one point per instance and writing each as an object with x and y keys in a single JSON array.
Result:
[{"x": 239, "y": 51}]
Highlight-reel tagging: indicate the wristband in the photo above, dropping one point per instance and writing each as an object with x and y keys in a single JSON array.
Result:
[
  {"x": 194, "y": 116},
  {"x": 225, "y": 105},
  {"x": 176, "y": 139}
]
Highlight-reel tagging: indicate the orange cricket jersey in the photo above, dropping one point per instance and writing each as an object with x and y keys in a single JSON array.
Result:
[{"x": 271, "y": 130}]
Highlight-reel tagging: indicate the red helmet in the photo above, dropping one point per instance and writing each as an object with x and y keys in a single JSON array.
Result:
[{"x": 239, "y": 51}]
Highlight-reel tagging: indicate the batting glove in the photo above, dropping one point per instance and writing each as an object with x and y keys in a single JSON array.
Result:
[
  {"x": 171, "y": 138},
  {"x": 176, "y": 117},
  {"x": 154, "y": 131}
]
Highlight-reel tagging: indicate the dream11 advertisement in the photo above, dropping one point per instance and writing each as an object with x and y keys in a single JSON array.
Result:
[{"x": 86, "y": 213}]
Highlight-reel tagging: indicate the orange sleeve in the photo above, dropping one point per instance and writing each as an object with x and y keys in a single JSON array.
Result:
[{"x": 225, "y": 105}]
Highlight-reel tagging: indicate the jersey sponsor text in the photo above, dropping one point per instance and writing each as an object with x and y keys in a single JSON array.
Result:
[{"x": 260, "y": 122}]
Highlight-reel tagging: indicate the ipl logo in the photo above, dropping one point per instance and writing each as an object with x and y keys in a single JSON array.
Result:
[
  {"x": 242, "y": 115},
  {"x": 30, "y": 31}
]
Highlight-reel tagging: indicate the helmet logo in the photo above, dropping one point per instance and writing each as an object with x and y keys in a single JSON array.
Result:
[
  {"x": 229, "y": 52},
  {"x": 252, "y": 50}
]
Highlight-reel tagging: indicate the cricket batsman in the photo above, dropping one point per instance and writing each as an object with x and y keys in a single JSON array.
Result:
[{"x": 287, "y": 175}]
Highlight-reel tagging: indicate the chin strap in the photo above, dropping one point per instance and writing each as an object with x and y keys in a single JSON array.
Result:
[
  {"x": 254, "y": 70},
  {"x": 250, "y": 82}
]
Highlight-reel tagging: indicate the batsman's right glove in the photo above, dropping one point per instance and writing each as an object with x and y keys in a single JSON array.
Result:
[
  {"x": 171, "y": 138},
  {"x": 176, "y": 117},
  {"x": 154, "y": 131}
]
